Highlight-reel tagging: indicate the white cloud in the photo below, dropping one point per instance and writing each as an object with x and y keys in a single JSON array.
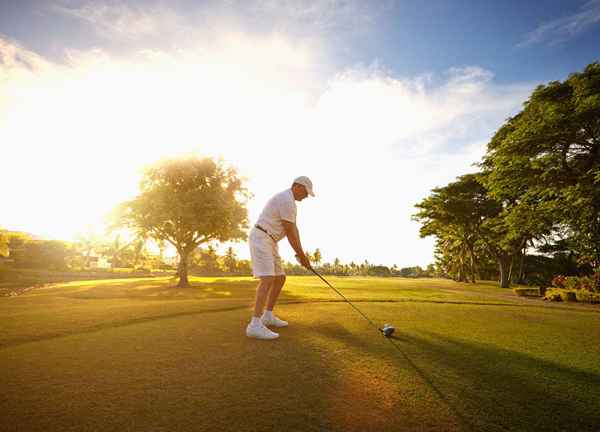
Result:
[
  {"x": 374, "y": 143},
  {"x": 565, "y": 27}
]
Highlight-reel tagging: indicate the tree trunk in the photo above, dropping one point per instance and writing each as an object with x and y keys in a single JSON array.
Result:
[
  {"x": 87, "y": 258},
  {"x": 505, "y": 266},
  {"x": 521, "y": 265},
  {"x": 472, "y": 263},
  {"x": 462, "y": 276},
  {"x": 182, "y": 270}
]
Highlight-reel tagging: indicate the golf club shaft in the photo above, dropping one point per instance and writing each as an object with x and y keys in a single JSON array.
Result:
[{"x": 342, "y": 296}]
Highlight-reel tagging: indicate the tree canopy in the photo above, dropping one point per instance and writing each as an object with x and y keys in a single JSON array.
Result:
[
  {"x": 539, "y": 184},
  {"x": 188, "y": 202},
  {"x": 545, "y": 161}
]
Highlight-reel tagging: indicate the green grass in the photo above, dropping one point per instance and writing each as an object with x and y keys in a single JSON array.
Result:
[
  {"x": 14, "y": 281},
  {"x": 138, "y": 354}
]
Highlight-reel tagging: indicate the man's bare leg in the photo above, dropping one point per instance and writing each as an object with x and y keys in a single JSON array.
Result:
[
  {"x": 278, "y": 282},
  {"x": 256, "y": 328},
  {"x": 262, "y": 290}
]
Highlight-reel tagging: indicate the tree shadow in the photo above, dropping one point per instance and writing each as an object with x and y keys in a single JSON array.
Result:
[
  {"x": 493, "y": 388},
  {"x": 163, "y": 290}
]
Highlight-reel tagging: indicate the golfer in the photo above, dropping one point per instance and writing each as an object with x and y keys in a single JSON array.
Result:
[{"x": 277, "y": 220}]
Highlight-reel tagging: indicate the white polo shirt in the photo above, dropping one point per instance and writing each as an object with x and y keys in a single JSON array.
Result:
[{"x": 279, "y": 208}]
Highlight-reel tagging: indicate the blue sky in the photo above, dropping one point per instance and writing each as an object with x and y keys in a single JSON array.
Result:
[
  {"x": 378, "y": 101},
  {"x": 409, "y": 37}
]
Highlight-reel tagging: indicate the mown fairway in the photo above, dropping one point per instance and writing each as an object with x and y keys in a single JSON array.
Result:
[{"x": 141, "y": 355}]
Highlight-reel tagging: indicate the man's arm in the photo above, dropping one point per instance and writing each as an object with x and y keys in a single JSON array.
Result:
[{"x": 293, "y": 236}]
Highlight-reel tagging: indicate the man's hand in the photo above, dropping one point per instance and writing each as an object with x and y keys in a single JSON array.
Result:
[{"x": 304, "y": 261}]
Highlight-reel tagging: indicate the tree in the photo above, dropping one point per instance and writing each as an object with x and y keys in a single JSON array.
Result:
[
  {"x": 244, "y": 267},
  {"x": 188, "y": 202},
  {"x": 89, "y": 242},
  {"x": 206, "y": 260},
  {"x": 317, "y": 257},
  {"x": 45, "y": 254},
  {"x": 544, "y": 162},
  {"x": 454, "y": 214},
  {"x": 379, "y": 270},
  {"x": 229, "y": 260},
  {"x": 16, "y": 242},
  {"x": 139, "y": 251}
]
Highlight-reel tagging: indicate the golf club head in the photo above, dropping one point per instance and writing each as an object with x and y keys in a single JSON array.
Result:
[{"x": 387, "y": 330}]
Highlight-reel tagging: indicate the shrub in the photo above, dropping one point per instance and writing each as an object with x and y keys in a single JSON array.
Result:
[
  {"x": 382, "y": 271},
  {"x": 561, "y": 294},
  {"x": 588, "y": 296},
  {"x": 527, "y": 292},
  {"x": 553, "y": 294},
  {"x": 558, "y": 281},
  {"x": 572, "y": 283},
  {"x": 586, "y": 283},
  {"x": 596, "y": 281},
  {"x": 143, "y": 269}
]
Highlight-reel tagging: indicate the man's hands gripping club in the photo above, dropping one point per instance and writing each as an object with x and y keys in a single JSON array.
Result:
[
  {"x": 291, "y": 231},
  {"x": 304, "y": 261}
]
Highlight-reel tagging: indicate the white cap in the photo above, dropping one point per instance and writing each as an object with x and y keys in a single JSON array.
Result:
[{"x": 305, "y": 181}]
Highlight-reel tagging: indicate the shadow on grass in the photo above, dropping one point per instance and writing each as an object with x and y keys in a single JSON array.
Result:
[
  {"x": 164, "y": 290},
  {"x": 492, "y": 388},
  {"x": 338, "y": 332},
  {"x": 513, "y": 388},
  {"x": 219, "y": 295}
]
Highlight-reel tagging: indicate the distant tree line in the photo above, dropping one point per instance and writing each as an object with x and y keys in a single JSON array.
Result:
[
  {"x": 533, "y": 209},
  {"x": 365, "y": 268},
  {"x": 21, "y": 250}
]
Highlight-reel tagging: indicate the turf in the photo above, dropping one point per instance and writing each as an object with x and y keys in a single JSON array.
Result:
[{"x": 143, "y": 355}]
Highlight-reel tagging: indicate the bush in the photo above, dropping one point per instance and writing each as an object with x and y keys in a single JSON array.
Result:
[
  {"x": 553, "y": 294},
  {"x": 381, "y": 271},
  {"x": 587, "y": 283},
  {"x": 572, "y": 283},
  {"x": 558, "y": 281},
  {"x": 586, "y": 296},
  {"x": 42, "y": 254},
  {"x": 561, "y": 294},
  {"x": 142, "y": 269},
  {"x": 527, "y": 292},
  {"x": 596, "y": 281}
]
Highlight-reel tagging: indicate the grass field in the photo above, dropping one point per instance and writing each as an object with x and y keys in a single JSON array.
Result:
[{"x": 138, "y": 354}]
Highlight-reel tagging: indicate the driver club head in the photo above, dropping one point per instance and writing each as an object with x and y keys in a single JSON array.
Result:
[{"x": 387, "y": 330}]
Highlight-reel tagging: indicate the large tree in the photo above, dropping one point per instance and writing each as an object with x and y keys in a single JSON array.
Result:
[
  {"x": 544, "y": 163},
  {"x": 188, "y": 202},
  {"x": 454, "y": 215}
]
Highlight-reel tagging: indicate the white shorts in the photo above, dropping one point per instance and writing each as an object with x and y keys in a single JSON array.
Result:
[{"x": 264, "y": 253}]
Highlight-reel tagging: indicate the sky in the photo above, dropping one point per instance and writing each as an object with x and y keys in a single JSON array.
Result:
[{"x": 377, "y": 102}]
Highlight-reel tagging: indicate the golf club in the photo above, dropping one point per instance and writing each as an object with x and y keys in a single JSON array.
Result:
[{"x": 387, "y": 330}]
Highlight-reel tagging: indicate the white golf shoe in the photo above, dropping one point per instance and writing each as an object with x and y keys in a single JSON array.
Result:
[
  {"x": 260, "y": 332},
  {"x": 273, "y": 321}
]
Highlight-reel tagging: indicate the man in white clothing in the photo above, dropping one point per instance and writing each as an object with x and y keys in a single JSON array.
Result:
[{"x": 277, "y": 220}]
